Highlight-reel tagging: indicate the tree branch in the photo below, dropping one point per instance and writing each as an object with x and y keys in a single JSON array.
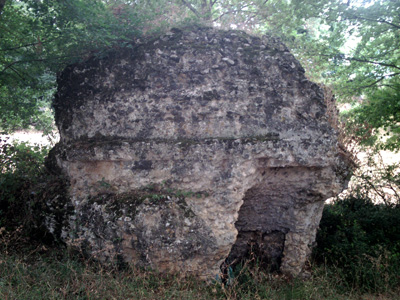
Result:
[
  {"x": 372, "y": 62},
  {"x": 38, "y": 60},
  {"x": 230, "y": 11},
  {"x": 391, "y": 24},
  {"x": 31, "y": 44},
  {"x": 10, "y": 65},
  {"x": 19, "y": 47},
  {"x": 363, "y": 60},
  {"x": 19, "y": 75},
  {"x": 2, "y": 3},
  {"x": 379, "y": 80},
  {"x": 379, "y": 20},
  {"x": 190, "y": 6}
]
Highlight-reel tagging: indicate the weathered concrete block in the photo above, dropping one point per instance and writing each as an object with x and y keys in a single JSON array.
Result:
[{"x": 176, "y": 145}]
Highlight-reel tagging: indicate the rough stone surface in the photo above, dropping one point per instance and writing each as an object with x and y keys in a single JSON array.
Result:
[{"x": 187, "y": 150}]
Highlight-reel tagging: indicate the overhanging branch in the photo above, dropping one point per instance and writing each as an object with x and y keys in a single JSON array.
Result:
[
  {"x": 363, "y": 60},
  {"x": 379, "y": 80},
  {"x": 378, "y": 20},
  {"x": 372, "y": 62},
  {"x": 190, "y": 6},
  {"x": 231, "y": 11},
  {"x": 39, "y": 60}
]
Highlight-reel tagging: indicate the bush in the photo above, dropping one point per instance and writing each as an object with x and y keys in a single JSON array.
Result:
[
  {"x": 361, "y": 241},
  {"x": 22, "y": 178}
]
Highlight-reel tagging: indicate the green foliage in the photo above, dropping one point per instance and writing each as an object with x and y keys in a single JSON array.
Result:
[
  {"x": 356, "y": 42},
  {"x": 352, "y": 46},
  {"x": 20, "y": 165},
  {"x": 25, "y": 188},
  {"x": 45, "y": 273},
  {"x": 21, "y": 169},
  {"x": 360, "y": 240},
  {"x": 377, "y": 119},
  {"x": 376, "y": 180},
  {"x": 39, "y": 38}
]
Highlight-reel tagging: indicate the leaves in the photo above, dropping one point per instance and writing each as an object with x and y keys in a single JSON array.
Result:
[
  {"x": 351, "y": 46},
  {"x": 39, "y": 38}
]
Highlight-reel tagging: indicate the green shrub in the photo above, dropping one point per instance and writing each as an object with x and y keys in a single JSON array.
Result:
[
  {"x": 22, "y": 169},
  {"x": 360, "y": 240}
]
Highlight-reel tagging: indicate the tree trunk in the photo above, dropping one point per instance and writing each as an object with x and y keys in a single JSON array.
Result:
[
  {"x": 2, "y": 3},
  {"x": 206, "y": 12}
]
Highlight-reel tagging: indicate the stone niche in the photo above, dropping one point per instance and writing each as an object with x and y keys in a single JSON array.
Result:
[{"x": 190, "y": 150}]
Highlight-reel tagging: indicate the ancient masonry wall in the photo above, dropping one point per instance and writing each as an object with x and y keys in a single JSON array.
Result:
[{"x": 185, "y": 151}]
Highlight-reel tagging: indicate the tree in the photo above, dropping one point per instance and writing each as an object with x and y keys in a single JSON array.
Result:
[
  {"x": 353, "y": 47},
  {"x": 2, "y": 3},
  {"x": 39, "y": 38}
]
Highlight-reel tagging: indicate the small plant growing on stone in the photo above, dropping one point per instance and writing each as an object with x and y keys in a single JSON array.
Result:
[{"x": 103, "y": 183}]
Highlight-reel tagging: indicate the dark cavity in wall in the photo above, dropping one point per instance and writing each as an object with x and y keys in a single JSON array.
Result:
[{"x": 261, "y": 229}]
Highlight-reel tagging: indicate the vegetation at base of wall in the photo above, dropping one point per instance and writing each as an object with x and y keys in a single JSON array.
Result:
[
  {"x": 360, "y": 241},
  {"x": 25, "y": 185},
  {"x": 21, "y": 167},
  {"x": 40, "y": 272}
]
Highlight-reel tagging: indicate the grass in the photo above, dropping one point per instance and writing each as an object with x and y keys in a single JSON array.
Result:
[{"x": 34, "y": 271}]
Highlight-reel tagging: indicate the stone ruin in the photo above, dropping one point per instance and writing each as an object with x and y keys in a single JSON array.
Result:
[{"x": 189, "y": 151}]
